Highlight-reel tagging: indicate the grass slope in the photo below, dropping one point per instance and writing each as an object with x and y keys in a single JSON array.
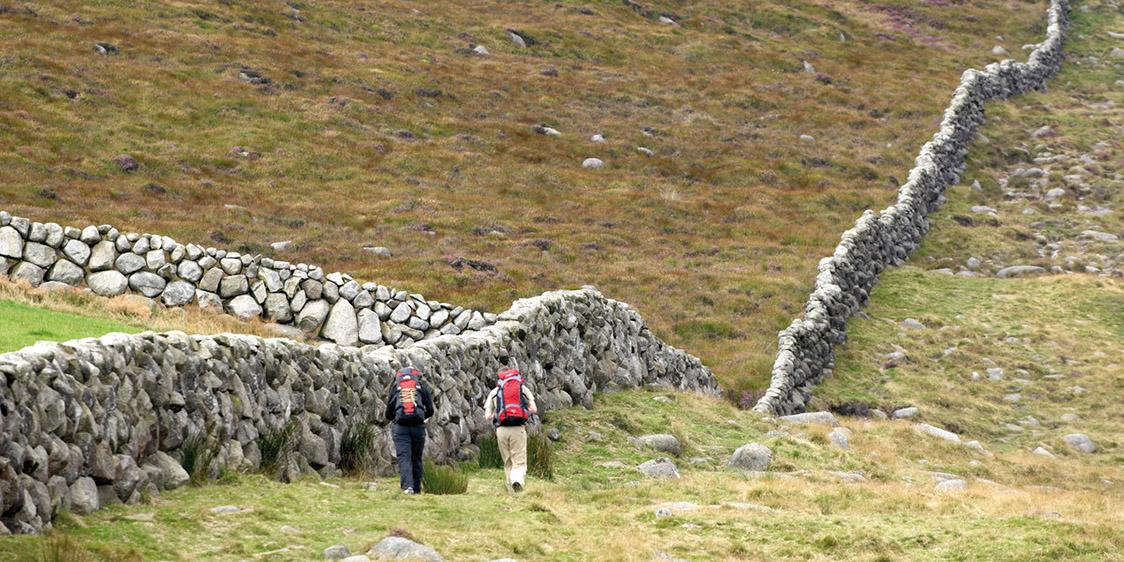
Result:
[
  {"x": 24, "y": 325},
  {"x": 596, "y": 512},
  {"x": 29, "y": 315},
  {"x": 380, "y": 127}
]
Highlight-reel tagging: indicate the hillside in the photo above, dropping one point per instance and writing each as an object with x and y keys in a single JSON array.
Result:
[
  {"x": 377, "y": 125},
  {"x": 975, "y": 406}
]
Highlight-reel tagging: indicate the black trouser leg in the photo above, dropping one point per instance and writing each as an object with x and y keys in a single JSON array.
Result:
[
  {"x": 418, "y": 443},
  {"x": 403, "y": 449}
]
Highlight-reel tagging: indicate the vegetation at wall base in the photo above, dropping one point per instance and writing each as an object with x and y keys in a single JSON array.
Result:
[
  {"x": 443, "y": 479},
  {"x": 489, "y": 455},
  {"x": 356, "y": 446},
  {"x": 540, "y": 456},
  {"x": 277, "y": 445}
]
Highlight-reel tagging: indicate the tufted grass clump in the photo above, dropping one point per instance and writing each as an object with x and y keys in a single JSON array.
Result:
[
  {"x": 277, "y": 446},
  {"x": 489, "y": 456},
  {"x": 355, "y": 448},
  {"x": 199, "y": 451},
  {"x": 540, "y": 456},
  {"x": 443, "y": 480}
]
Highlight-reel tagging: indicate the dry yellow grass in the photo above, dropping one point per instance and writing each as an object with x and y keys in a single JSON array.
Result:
[{"x": 714, "y": 239}]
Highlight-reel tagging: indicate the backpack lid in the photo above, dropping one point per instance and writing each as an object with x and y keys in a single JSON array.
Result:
[
  {"x": 407, "y": 372},
  {"x": 505, "y": 374}
]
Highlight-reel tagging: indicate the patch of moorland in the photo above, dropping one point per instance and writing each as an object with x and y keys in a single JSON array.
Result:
[{"x": 363, "y": 124}]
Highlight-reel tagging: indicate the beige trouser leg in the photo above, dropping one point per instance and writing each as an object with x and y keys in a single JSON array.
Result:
[{"x": 513, "y": 449}]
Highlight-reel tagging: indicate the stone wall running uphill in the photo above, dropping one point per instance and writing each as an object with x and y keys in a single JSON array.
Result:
[
  {"x": 99, "y": 421},
  {"x": 297, "y": 298},
  {"x": 879, "y": 240}
]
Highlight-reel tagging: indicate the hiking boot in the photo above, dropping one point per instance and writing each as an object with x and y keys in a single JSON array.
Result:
[{"x": 516, "y": 487}]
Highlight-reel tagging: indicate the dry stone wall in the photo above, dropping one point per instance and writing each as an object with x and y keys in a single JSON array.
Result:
[
  {"x": 295, "y": 298},
  {"x": 879, "y": 240},
  {"x": 99, "y": 421}
]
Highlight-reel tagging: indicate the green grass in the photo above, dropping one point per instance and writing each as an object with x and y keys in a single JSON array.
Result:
[
  {"x": 443, "y": 480},
  {"x": 24, "y": 325},
  {"x": 894, "y": 514}
]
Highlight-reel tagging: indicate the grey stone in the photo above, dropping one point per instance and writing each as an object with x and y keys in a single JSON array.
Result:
[
  {"x": 312, "y": 315},
  {"x": 662, "y": 442},
  {"x": 912, "y": 324},
  {"x": 102, "y": 256},
  {"x": 341, "y": 325},
  {"x": 233, "y": 285},
  {"x": 662, "y": 468},
  {"x": 231, "y": 266},
  {"x": 1080, "y": 442},
  {"x": 399, "y": 548},
  {"x": 212, "y": 278},
  {"x": 155, "y": 259},
  {"x": 350, "y": 290},
  {"x": 178, "y": 293},
  {"x": 129, "y": 263},
  {"x": 108, "y": 283},
  {"x": 905, "y": 413},
  {"x": 813, "y": 418},
  {"x": 39, "y": 254},
  {"x": 76, "y": 252},
  {"x": 593, "y": 163},
  {"x": 83, "y": 496},
  {"x": 312, "y": 288},
  {"x": 937, "y": 432},
  {"x": 190, "y": 271},
  {"x": 840, "y": 437},
  {"x": 401, "y": 313},
  {"x": 147, "y": 284},
  {"x": 379, "y": 251},
  {"x": 29, "y": 272},
  {"x": 336, "y": 552},
  {"x": 1019, "y": 271},
  {"x": 751, "y": 456},
  {"x": 370, "y": 329},
  {"x": 1100, "y": 236},
  {"x": 66, "y": 272},
  {"x": 277, "y": 307},
  {"x": 11, "y": 243},
  {"x": 956, "y": 485},
  {"x": 244, "y": 307}
]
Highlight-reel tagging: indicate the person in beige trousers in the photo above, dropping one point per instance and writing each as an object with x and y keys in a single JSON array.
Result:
[{"x": 512, "y": 438}]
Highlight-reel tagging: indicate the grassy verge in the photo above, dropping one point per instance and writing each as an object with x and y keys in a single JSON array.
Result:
[
  {"x": 598, "y": 511},
  {"x": 31, "y": 315}
]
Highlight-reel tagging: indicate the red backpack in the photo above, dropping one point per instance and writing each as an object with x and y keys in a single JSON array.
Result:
[
  {"x": 510, "y": 407},
  {"x": 410, "y": 409}
]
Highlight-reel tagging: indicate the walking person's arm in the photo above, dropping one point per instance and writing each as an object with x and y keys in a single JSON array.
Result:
[
  {"x": 490, "y": 406},
  {"x": 391, "y": 405},
  {"x": 530, "y": 398},
  {"x": 427, "y": 402}
]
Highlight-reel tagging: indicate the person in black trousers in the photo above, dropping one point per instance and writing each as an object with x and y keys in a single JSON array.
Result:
[{"x": 409, "y": 404}]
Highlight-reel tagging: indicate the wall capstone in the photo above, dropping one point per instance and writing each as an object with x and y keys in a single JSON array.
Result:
[{"x": 880, "y": 240}]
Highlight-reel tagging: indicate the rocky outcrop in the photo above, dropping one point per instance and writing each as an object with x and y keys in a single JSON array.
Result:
[
  {"x": 95, "y": 421},
  {"x": 110, "y": 263},
  {"x": 880, "y": 240}
]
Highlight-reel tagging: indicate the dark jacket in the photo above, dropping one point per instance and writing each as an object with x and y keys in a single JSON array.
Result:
[{"x": 392, "y": 402}]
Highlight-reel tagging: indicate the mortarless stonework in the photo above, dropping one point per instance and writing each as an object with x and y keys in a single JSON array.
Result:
[
  {"x": 879, "y": 240},
  {"x": 296, "y": 298},
  {"x": 93, "y": 422}
]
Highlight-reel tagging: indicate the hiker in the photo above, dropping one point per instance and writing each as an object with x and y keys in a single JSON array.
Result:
[
  {"x": 408, "y": 405},
  {"x": 508, "y": 407}
]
